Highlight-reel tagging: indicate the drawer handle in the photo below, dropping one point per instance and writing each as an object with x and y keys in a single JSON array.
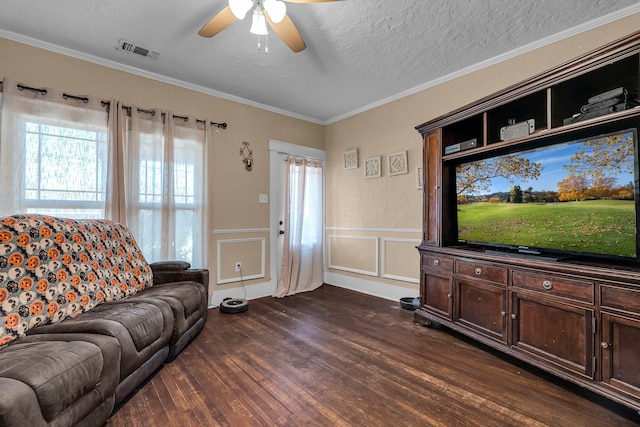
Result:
[
  {"x": 604, "y": 345},
  {"x": 436, "y": 262},
  {"x": 478, "y": 271},
  {"x": 449, "y": 295},
  {"x": 547, "y": 285},
  {"x": 504, "y": 314},
  {"x": 513, "y": 316}
]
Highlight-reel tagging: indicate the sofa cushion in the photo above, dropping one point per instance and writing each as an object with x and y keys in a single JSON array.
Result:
[
  {"x": 53, "y": 268},
  {"x": 188, "y": 302},
  {"x": 59, "y": 373},
  {"x": 189, "y": 295},
  {"x": 142, "y": 328},
  {"x": 144, "y": 322}
]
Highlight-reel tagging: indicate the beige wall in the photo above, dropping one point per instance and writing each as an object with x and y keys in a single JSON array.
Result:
[
  {"x": 235, "y": 206},
  {"x": 373, "y": 225},
  {"x": 390, "y": 207}
]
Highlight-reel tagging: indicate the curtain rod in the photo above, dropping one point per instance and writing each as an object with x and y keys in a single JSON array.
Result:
[
  {"x": 105, "y": 103},
  {"x": 185, "y": 118}
]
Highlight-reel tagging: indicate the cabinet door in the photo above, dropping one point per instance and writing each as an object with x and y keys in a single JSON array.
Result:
[
  {"x": 481, "y": 307},
  {"x": 432, "y": 176},
  {"x": 620, "y": 349},
  {"x": 437, "y": 293},
  {"x": 555, "y": 333}
]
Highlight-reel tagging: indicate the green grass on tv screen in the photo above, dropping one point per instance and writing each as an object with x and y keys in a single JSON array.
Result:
[{"x": 594, "y": 226}]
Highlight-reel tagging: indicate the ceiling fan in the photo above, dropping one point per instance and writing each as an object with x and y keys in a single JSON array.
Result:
[{"x": 272, "y": 11}]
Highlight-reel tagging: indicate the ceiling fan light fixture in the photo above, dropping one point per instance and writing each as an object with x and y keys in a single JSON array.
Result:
[
  {"x": 239, "y": 8},
  {"x": 276, "y": 10},
  {"x": 259, "y": 23}
]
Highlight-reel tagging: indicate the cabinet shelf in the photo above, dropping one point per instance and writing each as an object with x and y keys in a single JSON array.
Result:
[
  {"x": 550, "y": 100},
  {"x": 569, "y": 96},
  {"x": 466, "y": 130},
  {"x": 605, "y": 124},
  {"x": 530, "y": 107}
]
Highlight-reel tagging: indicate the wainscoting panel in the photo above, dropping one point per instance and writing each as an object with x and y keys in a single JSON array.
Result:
[
  {"x": 379, "y": 261},
  {"x": 400, "y": 259},
  {"x": 355, "y": 254},
  {"x": 249, "y": 251}
]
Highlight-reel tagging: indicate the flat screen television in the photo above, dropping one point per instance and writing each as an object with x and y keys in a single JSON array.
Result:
[{"x": 576, "y": 198}]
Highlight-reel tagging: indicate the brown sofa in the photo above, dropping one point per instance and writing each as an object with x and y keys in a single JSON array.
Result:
[{"x": 84, "y": 319}]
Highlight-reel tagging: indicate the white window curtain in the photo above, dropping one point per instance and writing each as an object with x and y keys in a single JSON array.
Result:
[
  {"x": 77, "y": 158},
  {"x": 301, "y": 269},
  {"x": 53, "y": 153},
  {"x": 165, "y": 164}
]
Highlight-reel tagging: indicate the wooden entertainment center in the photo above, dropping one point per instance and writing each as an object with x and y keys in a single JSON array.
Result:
[{"x": 578, "y": 318}]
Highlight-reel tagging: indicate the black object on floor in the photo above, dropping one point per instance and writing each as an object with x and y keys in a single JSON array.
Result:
[{"x": 233, "y": 305}]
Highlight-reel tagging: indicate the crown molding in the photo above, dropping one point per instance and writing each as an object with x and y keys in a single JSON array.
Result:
[
  {"x": 582, "y": 28},
  {"x": 153, "y": 76}
]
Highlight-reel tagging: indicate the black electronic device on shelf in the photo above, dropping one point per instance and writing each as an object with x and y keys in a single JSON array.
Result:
[{"x": 610, "y": 101}]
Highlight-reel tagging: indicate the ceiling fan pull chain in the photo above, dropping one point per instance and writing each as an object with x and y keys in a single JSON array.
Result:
[{"x": 266, "y": 44}]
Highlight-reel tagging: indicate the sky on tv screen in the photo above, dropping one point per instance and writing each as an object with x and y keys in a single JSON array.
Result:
[{"x": 553, "y": 160}]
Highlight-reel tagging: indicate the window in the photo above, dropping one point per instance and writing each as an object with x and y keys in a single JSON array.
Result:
[
  {"x": 64, "y": 170},
  {"x": 182, "y": 197}
]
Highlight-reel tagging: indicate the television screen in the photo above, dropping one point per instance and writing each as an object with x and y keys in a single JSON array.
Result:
[{"x": 576, "y": 197}]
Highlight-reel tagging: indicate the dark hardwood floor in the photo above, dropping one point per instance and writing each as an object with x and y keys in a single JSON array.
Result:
[{"x": 333, "y": 357}]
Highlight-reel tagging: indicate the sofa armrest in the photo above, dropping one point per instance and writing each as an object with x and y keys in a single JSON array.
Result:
[
  {"x": 178, "y": 271},
  {"x": 19, "y": 404},
  {"x": 169, "y": 266}
]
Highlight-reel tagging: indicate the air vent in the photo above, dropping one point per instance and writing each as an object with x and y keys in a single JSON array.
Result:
[{"x": 128, "y": 47}]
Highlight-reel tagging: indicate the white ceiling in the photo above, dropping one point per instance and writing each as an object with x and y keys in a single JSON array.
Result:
[{"x": 360, "y": 53}]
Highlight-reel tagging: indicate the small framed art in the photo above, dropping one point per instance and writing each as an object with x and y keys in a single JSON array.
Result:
[
  {"x": 398, "y": 163},
  {"x": 372, "y": 167},
  {"x": 350, "y": 159}
]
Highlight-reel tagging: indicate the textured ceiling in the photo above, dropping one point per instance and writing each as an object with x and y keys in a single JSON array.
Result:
[{"x": 359, "y": 52}]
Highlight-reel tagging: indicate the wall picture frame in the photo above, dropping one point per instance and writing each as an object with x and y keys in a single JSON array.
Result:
[
  {"x": 398, "y": 163},
  {"x": 350, "y": 159},
  {"x": 372, "y": 167}
]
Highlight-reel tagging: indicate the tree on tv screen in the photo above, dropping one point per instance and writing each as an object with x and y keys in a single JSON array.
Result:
[
  {"x": 594, "y": 167},
  {"x": 475, "y": 177}
]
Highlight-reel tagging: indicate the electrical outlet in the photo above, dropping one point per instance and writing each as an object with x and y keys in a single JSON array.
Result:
[{"x": 238, "y": 266}]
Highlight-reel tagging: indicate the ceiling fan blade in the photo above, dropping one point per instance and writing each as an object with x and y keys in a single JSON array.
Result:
[
  {"x": 287, "y": 32},
  {"x": 308, "y": 1},
  {"x": 218, "y": 23}
]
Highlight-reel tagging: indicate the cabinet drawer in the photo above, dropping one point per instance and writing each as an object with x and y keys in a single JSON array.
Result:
[
  {"x": 488, "y": 272},
  {"x": 439, "y": 263},
  {"x": 553, "y": 285},
  {"x": 620, "y": 298}
]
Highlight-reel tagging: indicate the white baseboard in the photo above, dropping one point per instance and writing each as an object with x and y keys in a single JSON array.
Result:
[
  {"x": 369, "y": 287},
  {"x": 256, "y": 291}
]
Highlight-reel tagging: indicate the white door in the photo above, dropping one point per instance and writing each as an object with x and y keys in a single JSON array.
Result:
[
  {"x": 279, "y": 151},
  {"x": 280, "y": 200}
]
